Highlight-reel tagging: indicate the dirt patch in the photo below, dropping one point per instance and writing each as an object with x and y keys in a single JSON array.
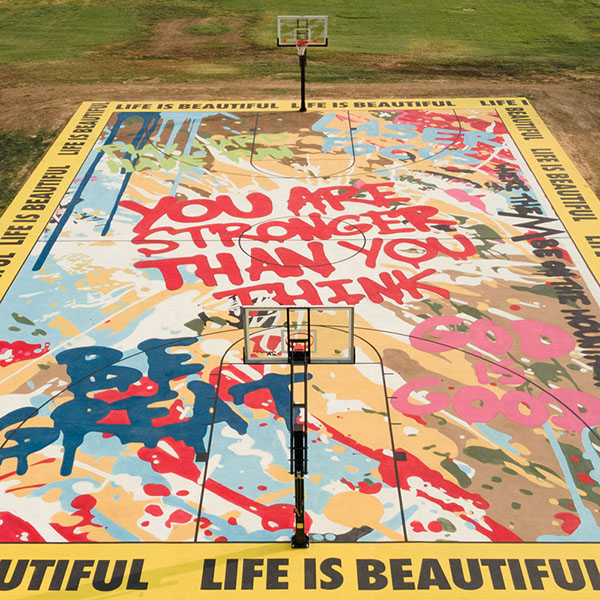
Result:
[
  {"x": 184, "y": 38},
  {"x": 170, "y": 39},
  {"x": 569, "y": 106}
]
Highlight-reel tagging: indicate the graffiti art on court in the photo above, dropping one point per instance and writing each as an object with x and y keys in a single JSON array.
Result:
[{"x": 128, "y": 413}]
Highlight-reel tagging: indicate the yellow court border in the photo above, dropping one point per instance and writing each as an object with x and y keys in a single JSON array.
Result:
[
  {"x": 273, "y": 570},
  {"x": 215, "y": 570}
]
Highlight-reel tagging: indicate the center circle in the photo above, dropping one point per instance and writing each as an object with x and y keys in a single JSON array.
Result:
[{"x": 296, "y": 233}]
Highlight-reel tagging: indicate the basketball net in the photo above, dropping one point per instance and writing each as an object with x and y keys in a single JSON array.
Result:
[{"x": 301, "y": 46}]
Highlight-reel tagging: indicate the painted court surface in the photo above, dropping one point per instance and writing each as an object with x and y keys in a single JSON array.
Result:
[{"x": 468, "y": 246}]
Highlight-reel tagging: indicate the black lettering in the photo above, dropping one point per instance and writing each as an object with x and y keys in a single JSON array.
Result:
[
  {"x": 78, "y": 572},
  {"x": 335, "y": 577},
  {"x": 370, "y": 574},
  {"x": 275, "y": 572},
  {"x": 542, "y": 152},
  {"x": 250, "y": 572},
  {"x": 525, "y": 205},
  {"x": 594, "y": 242},
  {"x": 39, "y": 570},
  {"x": 231, "y": 571},
  {"x": 116, "y": 579},
  {"x": 59, "y": 575},
  {"x": 523, "y": 122},
  {"x": 495, "y": 567},
  {"x": 310, "y": 574},
  {"x": 537, "y": 224},
  {"x": 208, "y": 575},
  {"x": 134, "y": 582},
  {"x": 581, "y": 319},
  {"x": 458, "y": 576},
  {"x": 399, "y": 573},
  {"x": 508, "y": 175},
  {"x": 516, "y": 572},
  {"x": 591, "y": 566},
  {"x": 17, "y": 576},
  {"x": 587, "y": 334},
  {"x": 432, "y": 574},
  {"x": 535, "y": 573},
  {"x": 577, "y": 581}
]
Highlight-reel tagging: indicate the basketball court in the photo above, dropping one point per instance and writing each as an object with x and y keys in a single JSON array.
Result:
[{"x": 411, "y": 284}]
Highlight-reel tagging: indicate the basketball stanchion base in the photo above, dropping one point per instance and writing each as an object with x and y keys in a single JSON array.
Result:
[{"x": 300, "y": 539}]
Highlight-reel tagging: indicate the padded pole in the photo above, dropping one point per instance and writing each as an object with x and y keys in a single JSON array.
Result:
[
  {"x": 302, "y": 59},
  {"x": 299, "y": 434}
]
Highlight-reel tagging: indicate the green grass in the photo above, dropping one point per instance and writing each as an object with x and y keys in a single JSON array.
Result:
[
  {"x": 35, "y": 31},
  {"x": 43, "y": 41},
  {"x": 565, "y": 33},
  {"x": 19, "y": 153},
  {"x": 207, "y": 29}
]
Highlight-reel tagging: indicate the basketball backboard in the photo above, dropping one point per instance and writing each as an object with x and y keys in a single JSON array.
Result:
[
  {"x": 270, "y": 331},
  {"x": 293, "y": 28}
]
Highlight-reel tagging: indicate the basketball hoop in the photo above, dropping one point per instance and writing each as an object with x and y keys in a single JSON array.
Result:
[
  {"x": 299, "y": 341},
  {"x": 301, "y": 46}
]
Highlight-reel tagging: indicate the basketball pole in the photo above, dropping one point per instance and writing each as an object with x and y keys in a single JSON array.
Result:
[
  {"x": 303, "y": 31},
  {"x": 302, "y": 58},
  {"x": 299, "y": 351}
]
